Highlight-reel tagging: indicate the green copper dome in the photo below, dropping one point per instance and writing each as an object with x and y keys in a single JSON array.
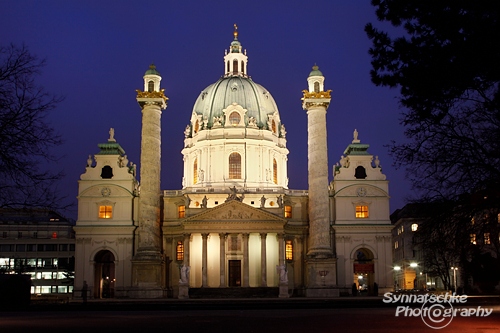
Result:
[
  {"x": 315, "y": 71},
  {"x": 152, "y": 70},
  {"x": 236, "y": 89}
]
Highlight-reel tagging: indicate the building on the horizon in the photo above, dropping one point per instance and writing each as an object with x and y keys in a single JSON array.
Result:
[
  {"x": 234, "y": 223},
  {"x": 39, "y": 243}
]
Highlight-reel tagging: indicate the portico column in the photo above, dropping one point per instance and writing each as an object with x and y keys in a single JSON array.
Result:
[
  {"x": 246, "y": 264},
  {"x": 222, "y": 240},
  {"x": 263, "y": 263},
  {"x": 281, "y": 249},
  {"x": 204, "y": 261},
  {"x": 187, "y": 239}
]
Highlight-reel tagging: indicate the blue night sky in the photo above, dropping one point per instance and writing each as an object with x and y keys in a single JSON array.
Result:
[{"x": 98, "y": 51}]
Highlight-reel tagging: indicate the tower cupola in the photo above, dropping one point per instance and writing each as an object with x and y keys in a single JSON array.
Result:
[
  {"x": 152, "y": 79},
  {"x": 315, "y": 80}
]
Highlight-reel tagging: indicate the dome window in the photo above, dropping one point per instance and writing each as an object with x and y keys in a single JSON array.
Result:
[
  {"x": 242, "y": 67},
  {"x": 195, "y": 171},
  {"x": 151, "y": 86},
  {"x": 196, "y": 126},
  {"x": 275, "y": 171},
  {"x": 235, "y": 67},
  {"x": 273, "y": 126},
  {"x": 316, "y": 86},
  {"x": 234, "y": 118},
  {"x": 235, "y": 166},
  {"x": 228, "y": 69}
]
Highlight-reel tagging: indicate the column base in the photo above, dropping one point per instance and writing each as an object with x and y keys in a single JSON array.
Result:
[
  {"x": 321, "y": 277},
  {"x": 147, "y": 278}
]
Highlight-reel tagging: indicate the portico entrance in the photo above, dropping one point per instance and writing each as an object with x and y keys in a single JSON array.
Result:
[{"x": 234, "y": 279}]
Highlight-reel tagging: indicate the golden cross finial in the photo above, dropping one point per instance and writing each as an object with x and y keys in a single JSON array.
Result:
[{"x": 235, "y": 33}]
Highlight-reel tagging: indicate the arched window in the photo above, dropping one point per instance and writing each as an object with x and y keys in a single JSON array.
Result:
[
  {"x": 275, "y": 171},
  {"x": 360, "y": 173},
  {"x": 151, "y": 86},
  {"x": 107, "y": 172},
  {"x": 235, "y": 66},
  {"x": 316, "y": 86},
  {"x": 195, "y": 171},
  {"x": 235, "y": 166},
  {"x": 242, "y": 67},
  {"x": 234, "y": 118}
]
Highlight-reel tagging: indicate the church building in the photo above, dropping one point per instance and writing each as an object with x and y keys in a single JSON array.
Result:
[{"x": 234, "y": 223}]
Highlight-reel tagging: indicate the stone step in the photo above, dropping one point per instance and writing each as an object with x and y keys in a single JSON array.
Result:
[{"x": 234, "y": 292}]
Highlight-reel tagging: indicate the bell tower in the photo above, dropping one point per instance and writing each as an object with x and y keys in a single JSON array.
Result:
[
  {"x": 321, "y": 264},
  {"x": 148, "y": 263}
]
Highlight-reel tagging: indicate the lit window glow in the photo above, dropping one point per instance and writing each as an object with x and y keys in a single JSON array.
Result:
[
  {"x": 289, "y": 250},
  {"x": 105, "y": 212},
  {"x": 361, "y": 212}
]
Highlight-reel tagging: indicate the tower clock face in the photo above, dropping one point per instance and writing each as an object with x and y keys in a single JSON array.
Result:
[{"x": 361, "y": 191}]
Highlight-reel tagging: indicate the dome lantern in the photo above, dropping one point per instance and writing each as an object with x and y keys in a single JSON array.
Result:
[{"x": 235, "y": 61}]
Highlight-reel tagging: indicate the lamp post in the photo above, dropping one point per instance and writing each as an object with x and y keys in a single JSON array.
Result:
[{"x": 454, "y": 269}]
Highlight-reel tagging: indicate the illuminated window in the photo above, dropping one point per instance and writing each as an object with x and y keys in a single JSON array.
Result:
[
  {"x": 288, "y": 212},
  {"x": 414, "y": 227},
  {"x": 105, "y": 212},
  {"x": 473, "y": 238},
  {"x": 181, "y": 211},
  {"x": 472, "y": 221},
  {"x": 362, "y": 212},
  {"x": 396, "y": 244},
  {"x": 54, "y": 234},
  {"x": 289, "y": 250},
  {"x": 195, "y": 171},
  {"x": 179, "y": 251},
  {"x": 275, "y": 171},
  {"x": 273, "y": 126},
  {"x": 498, "y": 218},
  {"x": 487, "y": 238},
  {"x": 151, "y": 86},
  {"x": 235, "y": 166},
  {"x": 234, "y": 118}
]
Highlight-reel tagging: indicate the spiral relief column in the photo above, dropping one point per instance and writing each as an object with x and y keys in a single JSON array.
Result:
[
  {"x": 148, "y": 264},
  {"x": 321, "y": 265}
]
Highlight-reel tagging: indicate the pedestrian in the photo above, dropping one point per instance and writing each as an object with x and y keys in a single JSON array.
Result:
[{"x": 85, "y": 288}]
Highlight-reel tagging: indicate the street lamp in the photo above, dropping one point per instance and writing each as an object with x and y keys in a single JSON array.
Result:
[{"x": 454, "y": 269}]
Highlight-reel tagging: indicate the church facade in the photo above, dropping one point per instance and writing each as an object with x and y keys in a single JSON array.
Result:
[{"x": 235, "y": 223}]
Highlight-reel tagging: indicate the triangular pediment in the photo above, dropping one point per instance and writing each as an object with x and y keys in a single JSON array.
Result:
[{"x": 235, "y": 211}]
